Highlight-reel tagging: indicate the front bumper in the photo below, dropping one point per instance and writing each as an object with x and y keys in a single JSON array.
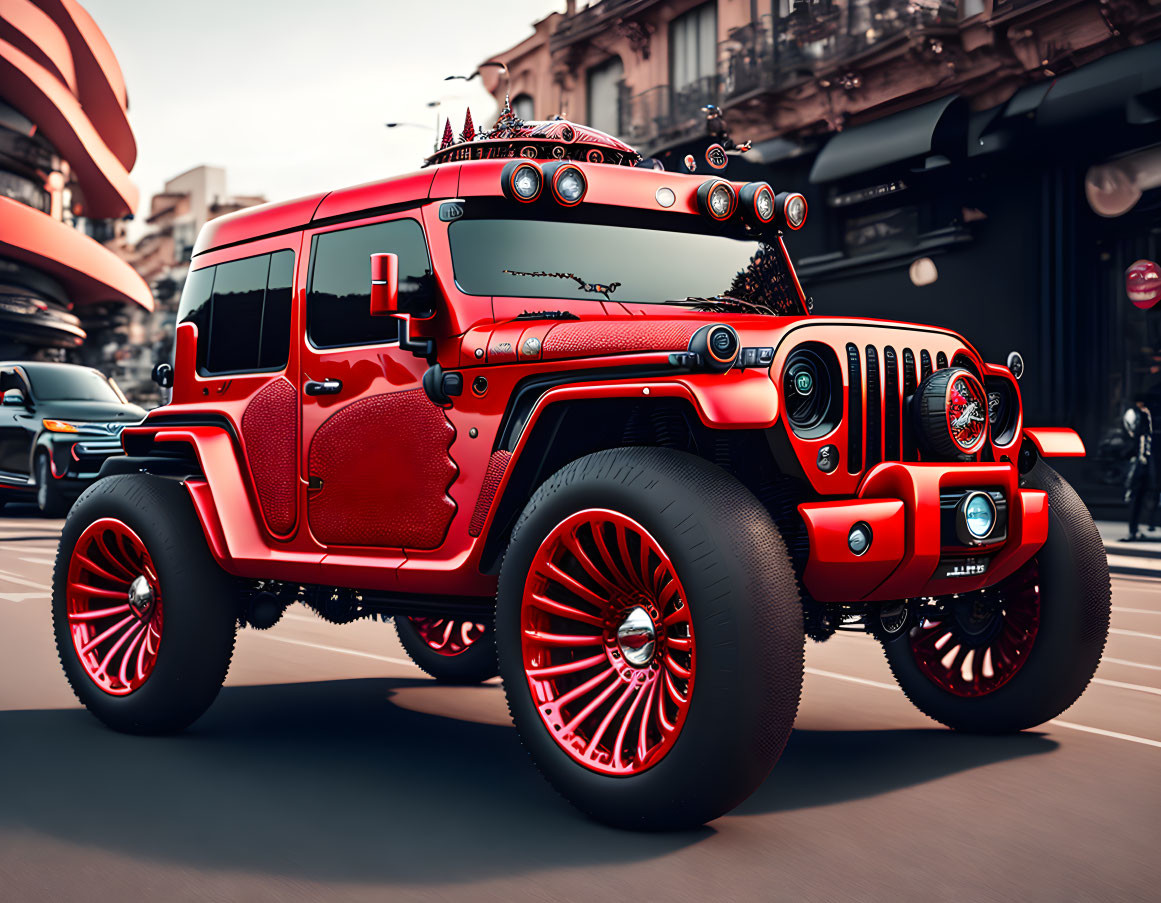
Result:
[
  {"x": 913, "y": 552},
  {"x": 78, "y": 457}
]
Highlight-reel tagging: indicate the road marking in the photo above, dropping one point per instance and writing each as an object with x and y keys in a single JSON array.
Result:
[
  {"x": 1124, "y": 686},
  {"x": 22, "y": 597},
  {"x": 38, "y": 560},
  {"x": 1119, "y": 632},
  {"x": 9, "y": 577},
  {"x": 1125, "y": 661},
  {"x": 1114, "y": 734},
  {"x": 1137, "y": 611},
  {"x": 1066, "y": 724},
  {"x": 378, "y": 658}
]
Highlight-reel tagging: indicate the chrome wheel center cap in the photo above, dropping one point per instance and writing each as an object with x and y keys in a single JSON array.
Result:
[
  {"x": 636, "y": 637},
  {"x": 140, "y": 595}
]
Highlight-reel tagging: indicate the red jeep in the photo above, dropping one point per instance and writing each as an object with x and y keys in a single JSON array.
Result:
[{"x": 568, "y": 419}]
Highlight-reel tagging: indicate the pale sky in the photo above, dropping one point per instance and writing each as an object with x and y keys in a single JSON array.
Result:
[{"x": 291, "y": 96}]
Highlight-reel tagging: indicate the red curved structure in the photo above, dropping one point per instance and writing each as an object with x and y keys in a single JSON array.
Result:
[{"x": 67, "y": 130}]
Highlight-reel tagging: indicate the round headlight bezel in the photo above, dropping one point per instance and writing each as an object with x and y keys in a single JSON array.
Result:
[
  {"x": 750, "y": 199},
  {"x": 705, "y": 193},
  {"x": 815, "y": 411},
  {"x": 783, "y": 203},
  {"x": 559, "y": 173},
  {"x": 508, "y": 181}
]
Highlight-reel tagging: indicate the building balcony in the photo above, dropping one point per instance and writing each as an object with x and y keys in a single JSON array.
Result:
[{"x": 663, "y": 116}]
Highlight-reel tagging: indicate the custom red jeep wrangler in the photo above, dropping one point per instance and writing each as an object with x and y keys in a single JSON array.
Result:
[{"x": 566, "y": 418}]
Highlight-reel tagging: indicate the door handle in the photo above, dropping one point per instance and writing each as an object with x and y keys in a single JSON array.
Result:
[{"x": 326, "y": 387}]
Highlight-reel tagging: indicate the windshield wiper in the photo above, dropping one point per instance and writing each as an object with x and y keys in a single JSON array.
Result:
[
  {"x": 594, "y": 288},
  {"x": 724, "y": 303}
]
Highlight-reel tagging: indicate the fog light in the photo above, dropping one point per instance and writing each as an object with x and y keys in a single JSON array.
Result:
[
  {"x": 979, "y": 515},
  {"x": 859, "y": 539}
]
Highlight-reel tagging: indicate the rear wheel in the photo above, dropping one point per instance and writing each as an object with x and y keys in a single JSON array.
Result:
[
  {"x": 450, "y": 650},
  {"x": 49, "y": 498},
  {"x": 143, "y": 616},
  {"x": 1018, "y": 654},
  {"x": 650, "y": 637}
]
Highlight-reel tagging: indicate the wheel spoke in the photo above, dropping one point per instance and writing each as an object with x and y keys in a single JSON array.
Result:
[
  {"x": 103, "y": 667},
  {"x": 597, "y": 701},
  {"x": 98, "y": 613},
  {"x": 574, "y": 586},
  {"x": 580, "y": 664},
  {"x": 98, "y": 592},
  {"x": 593, "y": 745},
  {"x": 634, "y": 575},
  {"x": 558, "y": 639},
  {"x": 566, "y": 611},
  {"x": 643, "y": 731},
  {"x": 100, "y": 638},
  {"x": 580, "y": 690},
  {"x": 95, "y": 568},
  {"x": 671, "y": 663},
  {"x": 123, "y": 674},
  {"x": 607, "y": 558},
  {"x": 573, "y": 545},
  {"x": 619, "y": 744}
]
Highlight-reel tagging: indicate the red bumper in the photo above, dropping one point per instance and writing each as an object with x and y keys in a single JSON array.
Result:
[{"x": 911, "y": 550}]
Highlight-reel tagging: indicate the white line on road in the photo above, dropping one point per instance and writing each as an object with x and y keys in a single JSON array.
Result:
[
  {"x": 9, "y": 577},
  {"x": 1066, "y": 724},
  {"x": 378, "y": 658},
  {"x": 22, "y": 597},
  {"x": 1124, "y": 686},
  {"x": 1119, "y": 632},
  {"x": 1137, "y": 611},
  {"x": 38, "y": 560},
  {"x": 1125, "y": 661}
]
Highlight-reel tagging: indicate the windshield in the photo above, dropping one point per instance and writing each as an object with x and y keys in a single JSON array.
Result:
[
  {"x": 587, "y": 261},
  {"x": 72, "y": 384}
]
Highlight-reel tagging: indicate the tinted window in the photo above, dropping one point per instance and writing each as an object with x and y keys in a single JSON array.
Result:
[
  {"x": 72, "y": 384},
  {"x": 242, "y": 311},
  {"x": 338, "y": 302}
]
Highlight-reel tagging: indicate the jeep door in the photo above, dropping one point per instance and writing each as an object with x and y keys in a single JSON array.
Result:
[
  {"x": 18, "y": 428},
  {"x": 374, "y": 447}
]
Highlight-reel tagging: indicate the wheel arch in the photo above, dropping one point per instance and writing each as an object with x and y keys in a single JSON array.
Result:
[{"x": 566, "y": 428}]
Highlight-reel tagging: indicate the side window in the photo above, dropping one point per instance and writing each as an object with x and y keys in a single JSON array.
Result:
[
  {"x": 242, "y": 311},
  {"x": 338, "y": 299}
]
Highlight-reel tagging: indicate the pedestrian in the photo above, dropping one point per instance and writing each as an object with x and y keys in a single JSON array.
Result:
[{"x": 1138, "y": 423}]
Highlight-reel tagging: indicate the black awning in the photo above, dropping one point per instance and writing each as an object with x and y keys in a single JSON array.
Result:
[
  {"x": 1126, "y": 83},
  {"x": 936, "y": 129}
]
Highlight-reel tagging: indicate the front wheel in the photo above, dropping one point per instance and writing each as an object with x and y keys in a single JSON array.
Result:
[
  {"x": 143, "y": 616},
  {"x": 650, "y": 638},
  {"x": 452, "y": 651},
  {"x": 1018, "y": 654}
]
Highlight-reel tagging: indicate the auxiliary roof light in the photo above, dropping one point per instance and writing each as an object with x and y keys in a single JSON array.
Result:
[
  {"x": 792, "y": 206},
  {"x": 568, "y": 184},
  {"x": 757, "y": 202},
  {"x": 717, "y": 199},
  {"x": 522, "y": 181}
]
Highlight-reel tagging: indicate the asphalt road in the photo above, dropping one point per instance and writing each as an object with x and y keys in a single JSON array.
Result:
[{"x": 331, "y": 768}]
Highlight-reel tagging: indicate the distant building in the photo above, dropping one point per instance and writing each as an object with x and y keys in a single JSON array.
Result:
[
  {"x": 989, "y": 165},
  {"x": 66, "y": 150},
  {"x": 161, "y": 257}
]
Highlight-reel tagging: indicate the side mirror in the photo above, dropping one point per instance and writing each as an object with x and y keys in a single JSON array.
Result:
[
  {"x": 163, "y": 375},
  {"x": 384, "y": 284},
  {"x": 14, "y": 398}
]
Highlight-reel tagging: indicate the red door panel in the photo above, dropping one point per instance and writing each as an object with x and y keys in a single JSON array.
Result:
[
  {"x": 380, "y": 469},
  {"x": 270, "y": 431}
]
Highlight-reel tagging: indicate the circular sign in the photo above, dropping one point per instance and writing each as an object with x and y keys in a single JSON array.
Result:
[
  {"x": 715, "y": 156},
  {"x": 966, "y": 406},
  {"x": 1143, "y": 284}
]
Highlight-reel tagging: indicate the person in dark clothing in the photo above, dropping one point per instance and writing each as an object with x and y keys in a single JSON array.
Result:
[{"x": 1139, "y": 479}]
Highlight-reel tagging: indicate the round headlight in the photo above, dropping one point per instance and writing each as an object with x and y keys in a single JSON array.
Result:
[
  {"x": 793, "y": 207},
  {"x": 522, "y": 181},
  {"x": 979, "y": 515},
  {"x": 811, "y": 390},
  {"x": 568, "y": 186},
  {"x": 717, "y": 199},
  {"x": 756, "y": 200}
]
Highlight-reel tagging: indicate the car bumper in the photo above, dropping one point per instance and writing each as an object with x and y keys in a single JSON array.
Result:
[
  {"x": 915, "y": 549},
  {"x": 79, "y": 459}
]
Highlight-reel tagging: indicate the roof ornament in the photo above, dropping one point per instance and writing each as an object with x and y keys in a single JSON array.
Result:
[
  {"x": 469, "y": 131},
  {"x": 449, "y": 137}
]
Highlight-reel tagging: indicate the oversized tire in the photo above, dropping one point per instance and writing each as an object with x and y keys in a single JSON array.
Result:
[
  {"x": 451, "y": 651},
  {"x": 49, "y": 498},
  {"x": 144, "y": 618},
  {"x": 650, "y": 639},
  {"x": 1019, "y": 654}
]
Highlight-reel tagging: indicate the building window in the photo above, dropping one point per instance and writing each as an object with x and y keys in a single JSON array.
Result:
[
  {"x": 604, "y": 95},
  {"x": 693, "y": 41},
  {"x": 522, "y": 106},
  {"x": 242, "y": 312},
  {"x": 338, "y": 301}
]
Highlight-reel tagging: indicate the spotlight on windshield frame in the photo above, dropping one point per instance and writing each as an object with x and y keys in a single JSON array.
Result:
[{"x": 508, "y": 181}]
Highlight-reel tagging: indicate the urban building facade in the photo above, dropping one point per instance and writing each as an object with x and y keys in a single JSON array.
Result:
[
  {"x": 988, "y": 165},
  {"x": 66, "y": 149}
]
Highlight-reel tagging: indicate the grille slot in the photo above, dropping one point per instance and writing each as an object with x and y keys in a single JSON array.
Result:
[
  {"x": 941, "y": 361},
  {"x": 874, "y": 429},
  {"x": 925, "y": 364},
  {"x": 854, "y": 410},
  {"x": 910, "y": 384},
  {"x": 892, "y": 426}
]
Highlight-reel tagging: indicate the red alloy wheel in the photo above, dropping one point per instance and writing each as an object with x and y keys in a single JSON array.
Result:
[
  {"x": 446, "y": 636},
  {"x": 607, "y": 642},
  {"x": 114, "y": 607},
  {"x": 984, "y": 640}
]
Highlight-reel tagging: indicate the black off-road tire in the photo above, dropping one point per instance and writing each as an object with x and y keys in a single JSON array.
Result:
[
  {"x": 474, "y": 665},
  {"x": 747, "y": 623},
  {"x": 50, "y": 501},
  {"x": 1076, "y": 601},
  {"x": 199, "y": 598}
]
